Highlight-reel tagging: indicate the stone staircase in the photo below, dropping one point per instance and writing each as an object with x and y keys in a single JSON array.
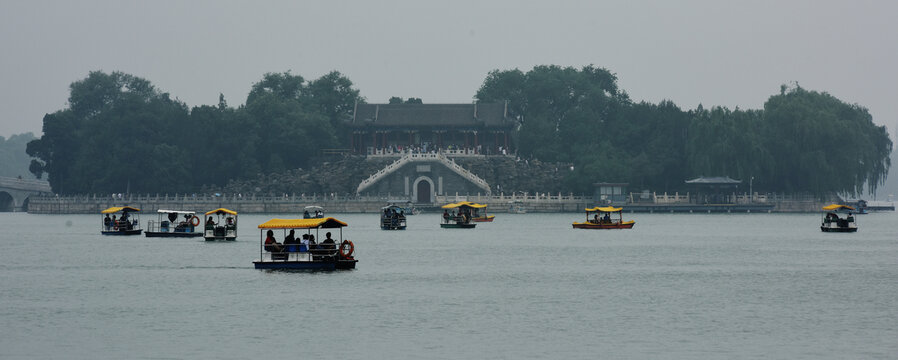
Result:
[{"x": 409, "y": 158}]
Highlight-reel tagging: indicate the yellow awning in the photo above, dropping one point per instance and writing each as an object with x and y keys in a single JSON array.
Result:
[
  {"x": 463, "y": 204},
  {"x": 328, "y": 222},
  {"x": 604, "y": 209},
  {"x": 116, "y": 209},
  {"x": 834, "y": 207},
  {"x": 232, "y": 212}
]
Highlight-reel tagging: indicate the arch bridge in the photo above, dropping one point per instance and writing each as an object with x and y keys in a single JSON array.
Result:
[{"x": 15, "y": 192}]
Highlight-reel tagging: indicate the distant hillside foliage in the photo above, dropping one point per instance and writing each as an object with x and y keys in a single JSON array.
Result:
[
  {"x": 119, "y": 133},
  {"x": 802, "y": 141},
  {"x": 14, "y": 161}
]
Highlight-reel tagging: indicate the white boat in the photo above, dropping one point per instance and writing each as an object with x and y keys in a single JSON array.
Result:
[{"x": 174, "y": 223}]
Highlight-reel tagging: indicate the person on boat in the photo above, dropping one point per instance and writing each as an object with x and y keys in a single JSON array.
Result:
[
  {"x": 314, "y": 248},
  {"x": 304, "y": 243},
  {"x": 607, "y": 218},
  {"x": 114, "y": 223},
  {"x": 595, "y": 218},
  {"x": 290, "y": 241},
  {"x": 107, "y": 222},
  {"x": 271, "y": 245},
  {"x": 305, "y": 215},
  {"x": 446, "y": 216},
  {"x": 182, "y": 226},
  {"x": 328, "y": 246},
  {"x": 210, "y": 221}
]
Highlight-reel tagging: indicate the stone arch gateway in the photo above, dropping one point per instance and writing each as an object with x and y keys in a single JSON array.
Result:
[{"x": 423, "y": 190}]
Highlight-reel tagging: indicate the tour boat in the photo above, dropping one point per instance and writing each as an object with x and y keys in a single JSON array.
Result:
[
  {"x": 392, "y": 217},
  {"x": 600, "y": 221},
  {"x": 313, "y": 212},
  {"x": 221, "y": 224},
  {"x": 461, "y": 215},
  {"x": 168, "y": 224},
  {"x": 304, "y": 254},
  {"x": 479, "y": 216},
  {"x": 833, "y": 223},
  {"x": 517, "y": 207},
  {"x": 124, "y": 224}
]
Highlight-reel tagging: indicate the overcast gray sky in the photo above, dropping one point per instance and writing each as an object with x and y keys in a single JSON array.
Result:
[{"x": 709, "y": 52}]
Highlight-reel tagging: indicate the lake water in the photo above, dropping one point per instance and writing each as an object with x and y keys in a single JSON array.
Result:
[{"x": 679, "y": 286}]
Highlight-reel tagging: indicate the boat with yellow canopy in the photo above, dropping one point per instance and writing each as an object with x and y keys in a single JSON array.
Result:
[
  {"x": 124, "y": 224},
  {"x": 302, "y": 251},
  {"x": 221, "y": 224},
  {"x": 479, "y": 214},
  {"x": 832, "y": 222},
  {"x": 602, "y": 219},
  {"x": 459, "y": 215}
]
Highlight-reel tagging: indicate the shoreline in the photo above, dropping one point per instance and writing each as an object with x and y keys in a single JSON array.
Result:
[{"x": 542, "y": 203}]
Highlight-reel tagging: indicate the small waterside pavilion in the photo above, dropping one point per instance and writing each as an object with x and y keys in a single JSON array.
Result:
[{"x": 713, "y": 190}]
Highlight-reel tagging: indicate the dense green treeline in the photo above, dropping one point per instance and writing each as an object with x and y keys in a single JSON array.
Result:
[
  {"x": 119, "y": 133},
  {"x": 802, "y": 141}
]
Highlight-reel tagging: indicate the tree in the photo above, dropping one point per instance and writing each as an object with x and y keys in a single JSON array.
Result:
[{"x": 101, "y": 141}]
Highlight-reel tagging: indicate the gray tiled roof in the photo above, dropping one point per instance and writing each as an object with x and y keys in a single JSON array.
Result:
[
  {"x": 435, "y": 115},
  {"x": 716, "y": 180}
]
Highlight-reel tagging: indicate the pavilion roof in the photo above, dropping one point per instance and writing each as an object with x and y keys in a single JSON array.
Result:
[
  {"x": 714, "y": 180},
  {"x": 432, "y": 115}
]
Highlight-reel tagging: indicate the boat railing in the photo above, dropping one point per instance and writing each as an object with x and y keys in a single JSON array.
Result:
[
  {"x": 390, "y": 221},
  {"x": 300, "y": 252},
  {"x": 168, "y": 226},
  {"x": 603, "y": 221}
]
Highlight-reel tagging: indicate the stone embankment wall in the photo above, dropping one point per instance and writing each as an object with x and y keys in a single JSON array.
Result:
[
  {"x": 294, "y": 204},
  {"x": 93, "y": 204},
  {"x": 342, "y": 176}
]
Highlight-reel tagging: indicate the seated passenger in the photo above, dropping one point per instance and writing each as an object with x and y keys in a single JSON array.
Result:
[
  {"x": 304, "y": 243},
  {"x": 290, "y": 242},
  {"x": 271, "y": 245},
  {"x": 328, "y": 246}
]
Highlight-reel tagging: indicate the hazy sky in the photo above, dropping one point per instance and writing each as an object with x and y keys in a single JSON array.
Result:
[{"x": 709, "y": 52}]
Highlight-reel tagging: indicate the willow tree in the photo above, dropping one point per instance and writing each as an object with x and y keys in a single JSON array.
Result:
[{"x": 822, "y": 144}]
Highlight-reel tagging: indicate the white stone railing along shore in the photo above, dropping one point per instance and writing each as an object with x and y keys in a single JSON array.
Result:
[{"x": 410, "y": 157}]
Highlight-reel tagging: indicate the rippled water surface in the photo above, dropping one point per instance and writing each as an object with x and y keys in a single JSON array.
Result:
[{"x": 525, "y": 286}]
